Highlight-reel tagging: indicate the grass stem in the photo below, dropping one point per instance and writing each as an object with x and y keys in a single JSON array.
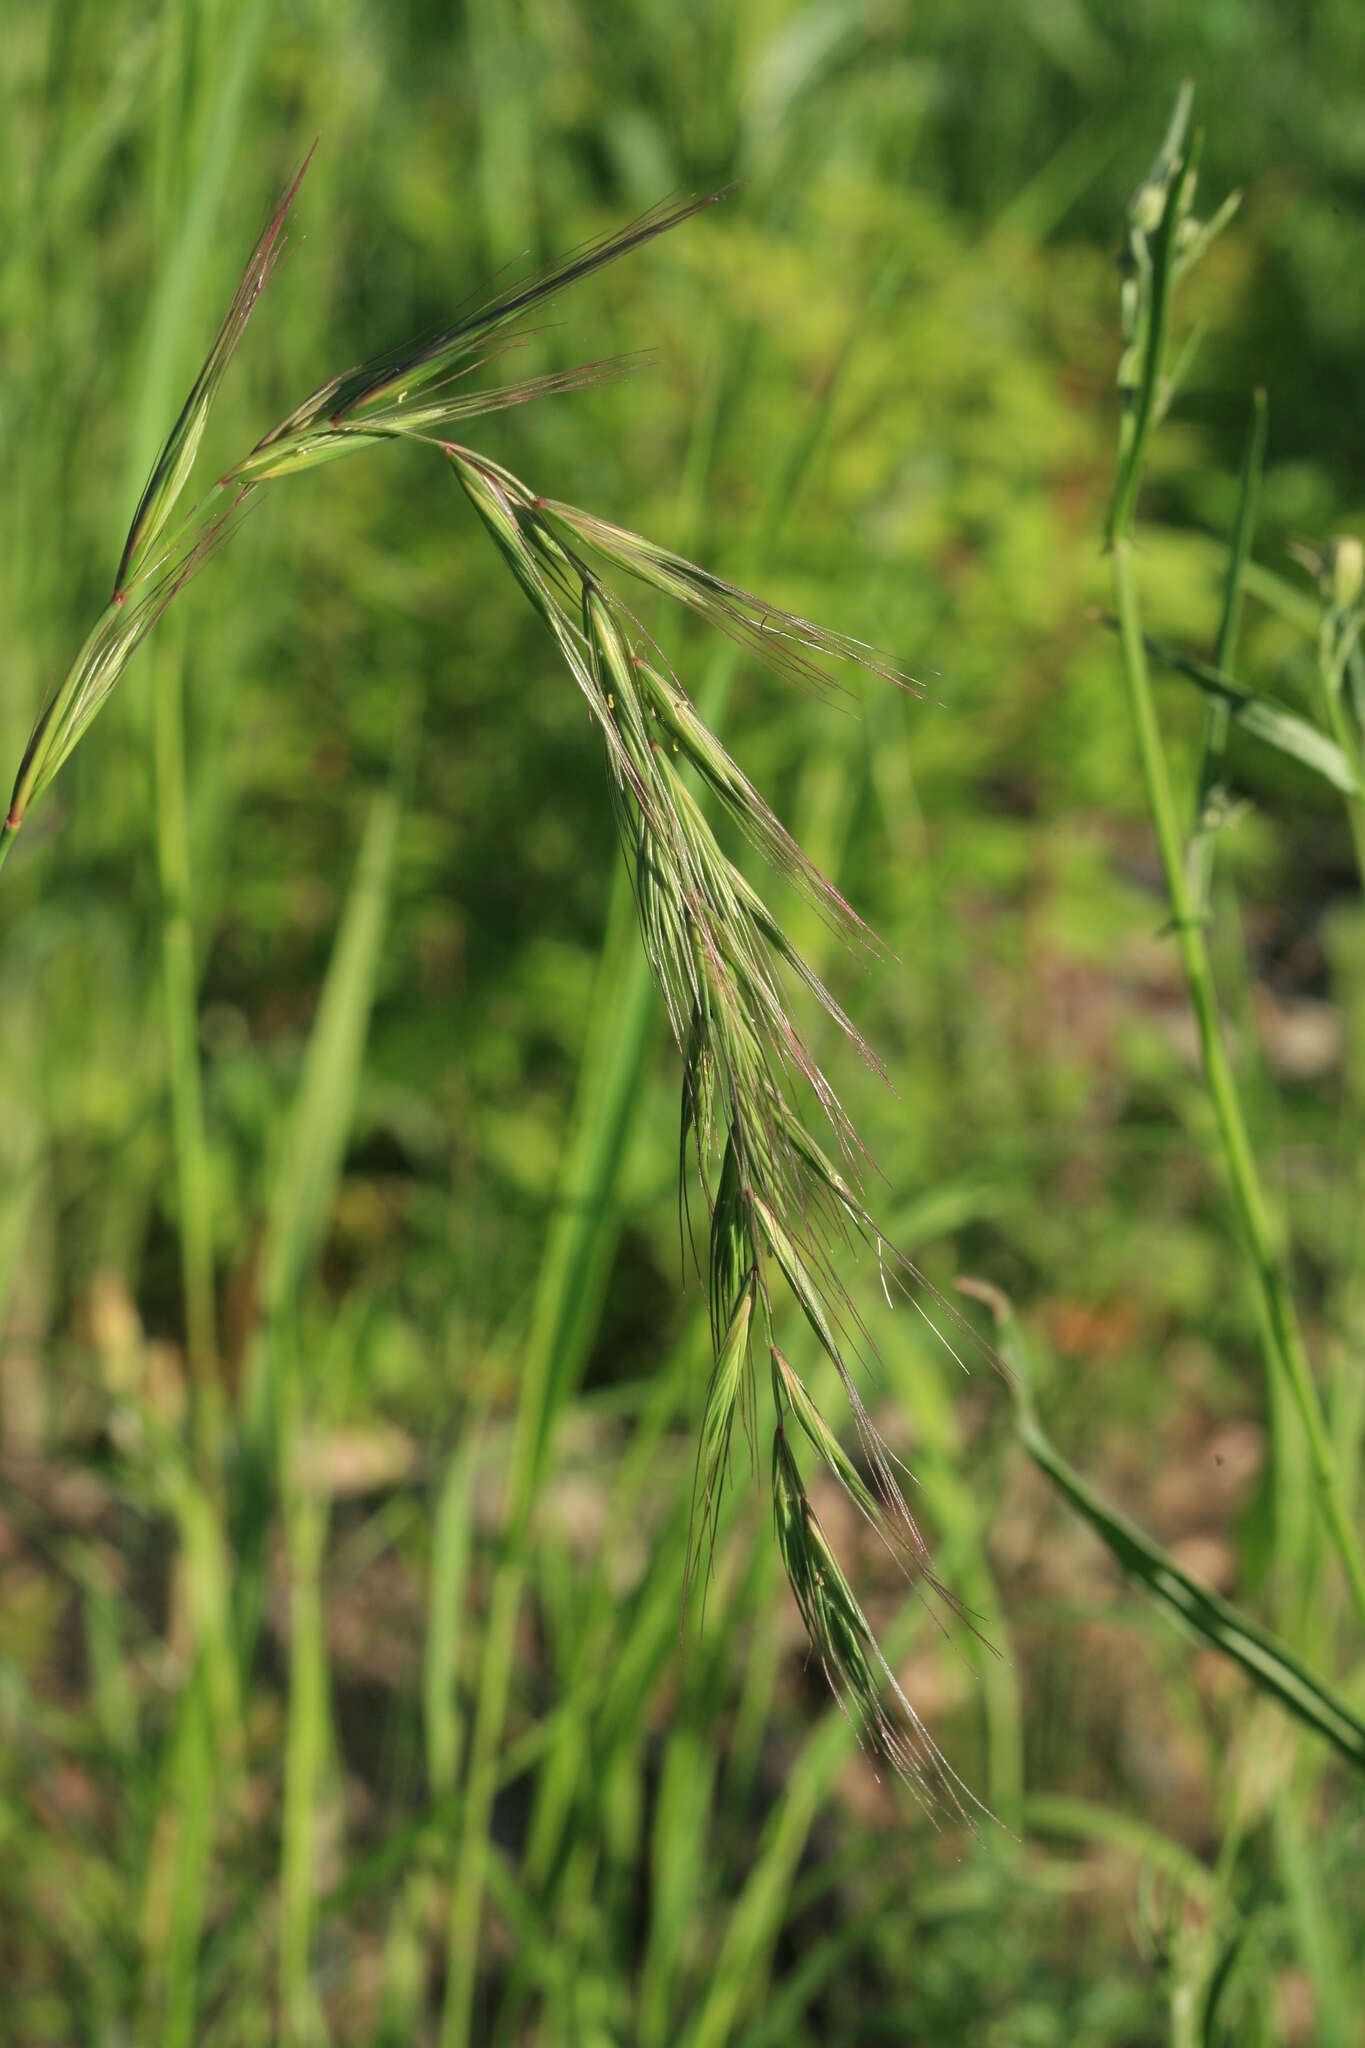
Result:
[
  {"x": 180, "y": 991},
  {"x": 1285, "y": 1352},
  {"x": 1217, "y": 713}
]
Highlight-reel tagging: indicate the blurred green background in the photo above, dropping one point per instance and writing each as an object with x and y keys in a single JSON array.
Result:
[{"x": 341, "y": 1089}]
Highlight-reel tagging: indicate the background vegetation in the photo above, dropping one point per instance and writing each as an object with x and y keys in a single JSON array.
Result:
[{"x": 349, "y": 1387}]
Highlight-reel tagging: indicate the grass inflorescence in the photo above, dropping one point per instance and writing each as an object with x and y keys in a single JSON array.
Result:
[
  {"x": 780, "y": 1205},
  {"x": 777, "y": 1206}
]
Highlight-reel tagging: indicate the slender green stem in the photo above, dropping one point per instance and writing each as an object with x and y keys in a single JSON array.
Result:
[
  {"x": 1217, "y": 715},
  {"x": 180, "y": 989},
  {"x": 1286, "y": 1354}
]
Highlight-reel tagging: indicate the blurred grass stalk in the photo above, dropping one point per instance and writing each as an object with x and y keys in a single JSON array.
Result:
[
  {"x": 1164, "y": 241},
  {"x": 205, "y": 1756},
  {"x": 180, "y": 986}
]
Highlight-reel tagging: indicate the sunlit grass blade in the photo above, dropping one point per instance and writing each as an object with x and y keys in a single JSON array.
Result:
[
  {"x": 569, "y": 1286},
  {"x": 324, "y": 1108},
  {"x": 1271, "y": 723},
  {"x": 678, "y": 1872}
]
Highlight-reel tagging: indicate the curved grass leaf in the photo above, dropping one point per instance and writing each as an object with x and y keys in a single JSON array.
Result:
[
  {"x": 1271, "y": 1665},
  {"x": 1262, "y": 717}
]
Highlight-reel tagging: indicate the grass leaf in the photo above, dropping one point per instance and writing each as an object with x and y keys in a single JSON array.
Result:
[{"x": 1270, "y": 1664}]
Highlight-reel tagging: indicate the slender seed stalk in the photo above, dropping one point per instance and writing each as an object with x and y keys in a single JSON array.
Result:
[{"x": 1161, "y": 209}]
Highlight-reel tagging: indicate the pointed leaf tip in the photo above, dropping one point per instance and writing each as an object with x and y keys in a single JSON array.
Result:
[{"x": 171, "y": 470}]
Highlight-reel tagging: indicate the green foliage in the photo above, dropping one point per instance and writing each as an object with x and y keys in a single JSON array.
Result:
[{"x": 437, "y": 1760}]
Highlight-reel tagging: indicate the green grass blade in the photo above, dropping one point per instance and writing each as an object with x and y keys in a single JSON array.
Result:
[
  {"x": 682, "y": 1821},
  {"x": 1271, "y": 1665},
  {"x": 740, "y": 1972},
  {"x": 20, "y": 1025},
  {"x": 311, "y": 1161},
  {"x": 324, "y": 1108},
  {"x": 573, "y": 1276},
  {"x": 1265, "y": 720}
]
